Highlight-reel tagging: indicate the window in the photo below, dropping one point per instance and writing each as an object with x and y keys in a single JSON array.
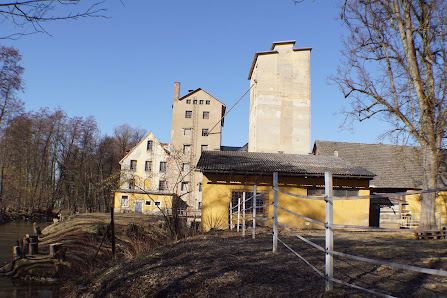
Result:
[
  {"x": 133, "y": 165},
  {"x": 163, "y": 166},
  {"x": 206, "y": 115},
  {"x": 208, "y": 102},
  {"x": 147, "y": 202},
  {"x": 200, "y": 206},
  {"x": 149, "y": 145},
  {"x": 346, "y": 192},
  {"x": 188, "y": 101},
  {"x": 194, "y": 101},
  {"x": 132, "y": 184},
  {"x": 184, "y": 186},
  {"x": 204, "y": 132},
  {"x": 235, "y": 195},
  {"x": 204, "y": 147},
  {"x": 315, "y": 192},
  {"x": 148, "y": 166},
  {"x": 185, "y": 167},
  {"x": 201, "y": 101},
  {"x": 200, "y": 186},
  {"x": 157, "y": 203},
  {"x": 162, "y": 185},
  {"x": 124, "y": 201},
  {"x": 186, "y": 149},
  {"x": 188, "y": 114},
  {"x": 338, "y": 192},
  {"x": 187, "y": 131}
]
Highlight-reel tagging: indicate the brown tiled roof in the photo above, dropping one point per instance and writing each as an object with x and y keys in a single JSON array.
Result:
[
  {"x": 240, "y": 162},
  {"x": 394, "y": 166}
]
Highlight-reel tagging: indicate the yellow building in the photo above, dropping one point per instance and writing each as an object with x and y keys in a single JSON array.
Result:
[
  {"x": 397, "y": 169},
  {"x": 228, "y": 175},
  {"x": 148, "y": 202},
  {"x": 144, "y": 179}
]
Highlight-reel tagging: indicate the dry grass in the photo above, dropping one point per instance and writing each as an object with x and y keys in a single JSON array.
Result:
[
  {"x": 88, "y": 239},
  {"x": 225, "y": 264}
]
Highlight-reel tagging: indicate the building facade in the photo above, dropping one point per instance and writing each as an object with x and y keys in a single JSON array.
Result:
[
  {"x": 197, "y": 121},
  {"x": 279, "y": 119},
  {"x": 230, "y": 176},
  {"x": 398, "y": 169},
  {"x": 144, "y": 178}
]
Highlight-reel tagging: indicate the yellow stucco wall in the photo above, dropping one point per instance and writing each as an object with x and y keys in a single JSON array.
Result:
[
  {"x": 414, "y": 206},
  {"x": 165, "y": 202},
  {"x": 217, "y": 191}
]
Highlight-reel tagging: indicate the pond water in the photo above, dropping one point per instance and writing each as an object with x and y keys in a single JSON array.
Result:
[{"x": 9, "y": 234}]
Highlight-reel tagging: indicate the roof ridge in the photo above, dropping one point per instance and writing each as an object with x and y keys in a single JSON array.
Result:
[{"x": 368, "y": 144}]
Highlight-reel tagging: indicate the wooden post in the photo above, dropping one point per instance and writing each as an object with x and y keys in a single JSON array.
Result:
[
  {"x": 243, "y": 213},
  {"x": 275, "y": 212},
  {"x": 33, "y": 245},
  {"x": 16, "y": 253},
  {"x": 112, "y": 230},
  {"x": 238, "y": 213},
  {"x": 328, "y": 191},
  {"x": 231, "y": 215},
  {"x": 37, "y": 229},
  {"x": 57, "y": 251},
  {"x": 254, "y": 212},
  {"x": 25, "y": 245},
  {"x": 400, "y": 213}
]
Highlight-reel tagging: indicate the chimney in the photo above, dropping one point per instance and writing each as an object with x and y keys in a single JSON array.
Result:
[
  {"x": 176, "y": 91},
  {"x": 336, "y": 153}
]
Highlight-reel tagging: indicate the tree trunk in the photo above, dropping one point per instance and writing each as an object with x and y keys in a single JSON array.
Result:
[{"x": 428, "y": 200}]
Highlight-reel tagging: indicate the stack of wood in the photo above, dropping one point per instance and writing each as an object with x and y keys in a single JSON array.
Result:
[{"x": 432, "y": 234}]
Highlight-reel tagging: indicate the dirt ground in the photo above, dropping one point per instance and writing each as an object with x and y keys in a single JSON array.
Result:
[{"x": 224, "y": 264}]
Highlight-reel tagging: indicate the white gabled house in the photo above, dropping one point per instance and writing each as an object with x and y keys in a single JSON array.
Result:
[{"x": 144, "y": 178}]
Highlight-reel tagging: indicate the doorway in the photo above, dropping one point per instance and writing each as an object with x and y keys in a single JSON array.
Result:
[{"x": 138, "y": 206}]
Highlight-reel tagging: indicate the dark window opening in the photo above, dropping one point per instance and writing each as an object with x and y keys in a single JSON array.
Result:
[{"x": 235, "y": 195}]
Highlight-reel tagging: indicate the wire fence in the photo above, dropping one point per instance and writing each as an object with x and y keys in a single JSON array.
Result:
[{"x": 239, "y": 214}]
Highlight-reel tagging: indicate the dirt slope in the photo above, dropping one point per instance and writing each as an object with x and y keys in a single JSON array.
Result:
[{"x": 223, "y": 264}]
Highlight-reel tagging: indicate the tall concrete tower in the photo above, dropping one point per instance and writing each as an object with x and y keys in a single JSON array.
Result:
[
  {"x": 196, "y": 126},
  {"x": 280, "y": 100}
]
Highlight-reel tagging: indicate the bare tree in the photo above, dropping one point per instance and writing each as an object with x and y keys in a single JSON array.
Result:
[
  {"x": 10, "y": 82},
  {"x": 395, "y": 66},
  {"x": 28, "y": 16},
  {"x": 127, "y": 137}
]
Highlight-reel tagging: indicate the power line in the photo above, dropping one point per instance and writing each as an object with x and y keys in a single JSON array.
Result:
[{"x": 209, "y": 132}]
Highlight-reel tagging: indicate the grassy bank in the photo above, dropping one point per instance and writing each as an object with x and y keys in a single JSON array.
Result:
[
  {"x": 223, "y": 264},
  {"x": 150, "y": 263},
  {"x": 86, "y": 239}
]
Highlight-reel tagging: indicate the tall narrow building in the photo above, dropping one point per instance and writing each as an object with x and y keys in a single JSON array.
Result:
[
  {"x": 280, "y": 100},
  {"x": 197, "y": 121}
]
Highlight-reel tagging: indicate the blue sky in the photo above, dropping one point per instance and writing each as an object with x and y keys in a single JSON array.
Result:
[{"x": 123, "y": 69}]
